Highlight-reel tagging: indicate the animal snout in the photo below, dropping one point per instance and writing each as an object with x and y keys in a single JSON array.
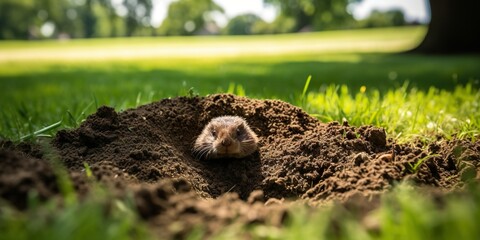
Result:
[{"x": 226, "y": 142}]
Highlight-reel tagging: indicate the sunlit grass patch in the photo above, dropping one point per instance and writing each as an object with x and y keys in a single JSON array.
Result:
[
  {"x": 363, "y": 40},
  {"x": 404, "y": 113}
]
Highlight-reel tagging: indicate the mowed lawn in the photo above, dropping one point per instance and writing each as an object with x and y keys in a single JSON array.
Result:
[{"x": 44, "y": 82}]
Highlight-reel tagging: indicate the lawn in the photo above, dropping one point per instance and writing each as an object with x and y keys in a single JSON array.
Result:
[
  {"x": 48, "y": 81},
  {"x": 361, "y": 76}
]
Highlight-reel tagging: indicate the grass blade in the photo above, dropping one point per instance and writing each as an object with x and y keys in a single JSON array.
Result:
[
  {"x": 38, "y": 132},
  {"x": 305, "y": 88}
]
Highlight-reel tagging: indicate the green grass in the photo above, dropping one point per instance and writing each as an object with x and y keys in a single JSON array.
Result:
[
  {"x": 405, "y": 113},
  {"x": 37, "y": 94},
  {"x": 95, "y": 218},
  {"x": 360, "y": 40},
  {"x": 357, "y": 76}
]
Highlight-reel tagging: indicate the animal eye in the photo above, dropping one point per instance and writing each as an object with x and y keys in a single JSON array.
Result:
[
  {"x": 214, "y": 133},
  {"x": 239, "y": 131}
]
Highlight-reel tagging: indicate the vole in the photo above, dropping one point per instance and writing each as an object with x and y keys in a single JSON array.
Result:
[{"x": 225, "y": 137}]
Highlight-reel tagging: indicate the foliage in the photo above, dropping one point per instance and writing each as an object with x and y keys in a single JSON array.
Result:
[
  {"x": 317, "y": 14},
  {"x": 30, "y": 19},
  {"x": 281, "y": 24},
  {"x": 248, "y": 24},
  {"x": 185, "y": 17},
  {"x": 14, "y": 11},
  {"x": 138, "y": 14},
  {"x": 23, "y": 19},
  {"x": 243, "y": 24},
  {"x": 388, "y": 18}
]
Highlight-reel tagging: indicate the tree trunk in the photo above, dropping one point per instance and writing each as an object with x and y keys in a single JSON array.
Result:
[
  {"x": 89, "y": 20},
  {"x": 454, "y": 28}
]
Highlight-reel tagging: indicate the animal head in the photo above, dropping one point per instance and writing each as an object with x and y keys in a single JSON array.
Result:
[{"x": 227, "y": 136}]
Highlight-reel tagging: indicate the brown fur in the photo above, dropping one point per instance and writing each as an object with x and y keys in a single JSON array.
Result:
[{"x": 226, "y": 137}]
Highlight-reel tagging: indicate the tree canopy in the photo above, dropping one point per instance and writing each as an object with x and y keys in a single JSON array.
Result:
[
  {"x": 185, "y": 17},
  {"x": 33, "y": 19},
  {"x": 24, "y": 19},
  {"x": 243, "y": 24},
  {"x": 317, "y": 14},
  {"x": 394, "y": 17}
]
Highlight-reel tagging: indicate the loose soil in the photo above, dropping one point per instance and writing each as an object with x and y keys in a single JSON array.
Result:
[{"x": 147, "y": 151}]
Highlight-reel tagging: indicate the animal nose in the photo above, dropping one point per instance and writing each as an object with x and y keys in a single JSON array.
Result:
[{"x": 226, "y": 142}]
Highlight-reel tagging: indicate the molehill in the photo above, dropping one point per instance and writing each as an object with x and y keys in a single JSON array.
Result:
[{"x": 147, "y": 151}]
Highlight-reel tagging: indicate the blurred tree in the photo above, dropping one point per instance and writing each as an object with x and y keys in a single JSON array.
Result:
[
  {"x": 139, "y": 13},
  {"x": 101, "y": 18},
  {"x": 113, "y": 17},
  {"x": 397, "y": 17},
  {"x": 58, "y": 13},
  {"x": 103, "y": 26},
  {"x": 383, "y": 19},
  {"x": 281, "y": 24},
  {"x": 89, "y": 19},
  {"x": 22, "y": 19},
  {"x": 16, "y": 18},
  {"x": 242, "y": 24},
  {"x": 453, "y": 28},
  {"x": 185, "y": 17},
  {"x": 317, "y": 14}
]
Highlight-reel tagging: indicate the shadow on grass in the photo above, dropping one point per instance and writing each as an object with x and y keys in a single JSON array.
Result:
[
  {"x": 279, "y": 78},
  {"x": 42, "y": 94}
]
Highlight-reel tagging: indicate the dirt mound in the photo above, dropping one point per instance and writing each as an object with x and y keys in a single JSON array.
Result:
[
  {"x": 22, "y": 170},
  {"x": 299, "y": 158}
]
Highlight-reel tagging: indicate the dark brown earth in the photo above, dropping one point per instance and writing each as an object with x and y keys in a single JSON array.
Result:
[{"x": 147, "y": 150}]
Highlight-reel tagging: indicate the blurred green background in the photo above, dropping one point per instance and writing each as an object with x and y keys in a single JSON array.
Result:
[{"x": 37, "y": 19}]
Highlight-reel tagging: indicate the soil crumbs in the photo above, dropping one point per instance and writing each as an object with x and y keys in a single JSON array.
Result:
[{"x": 147, "y": 151}]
